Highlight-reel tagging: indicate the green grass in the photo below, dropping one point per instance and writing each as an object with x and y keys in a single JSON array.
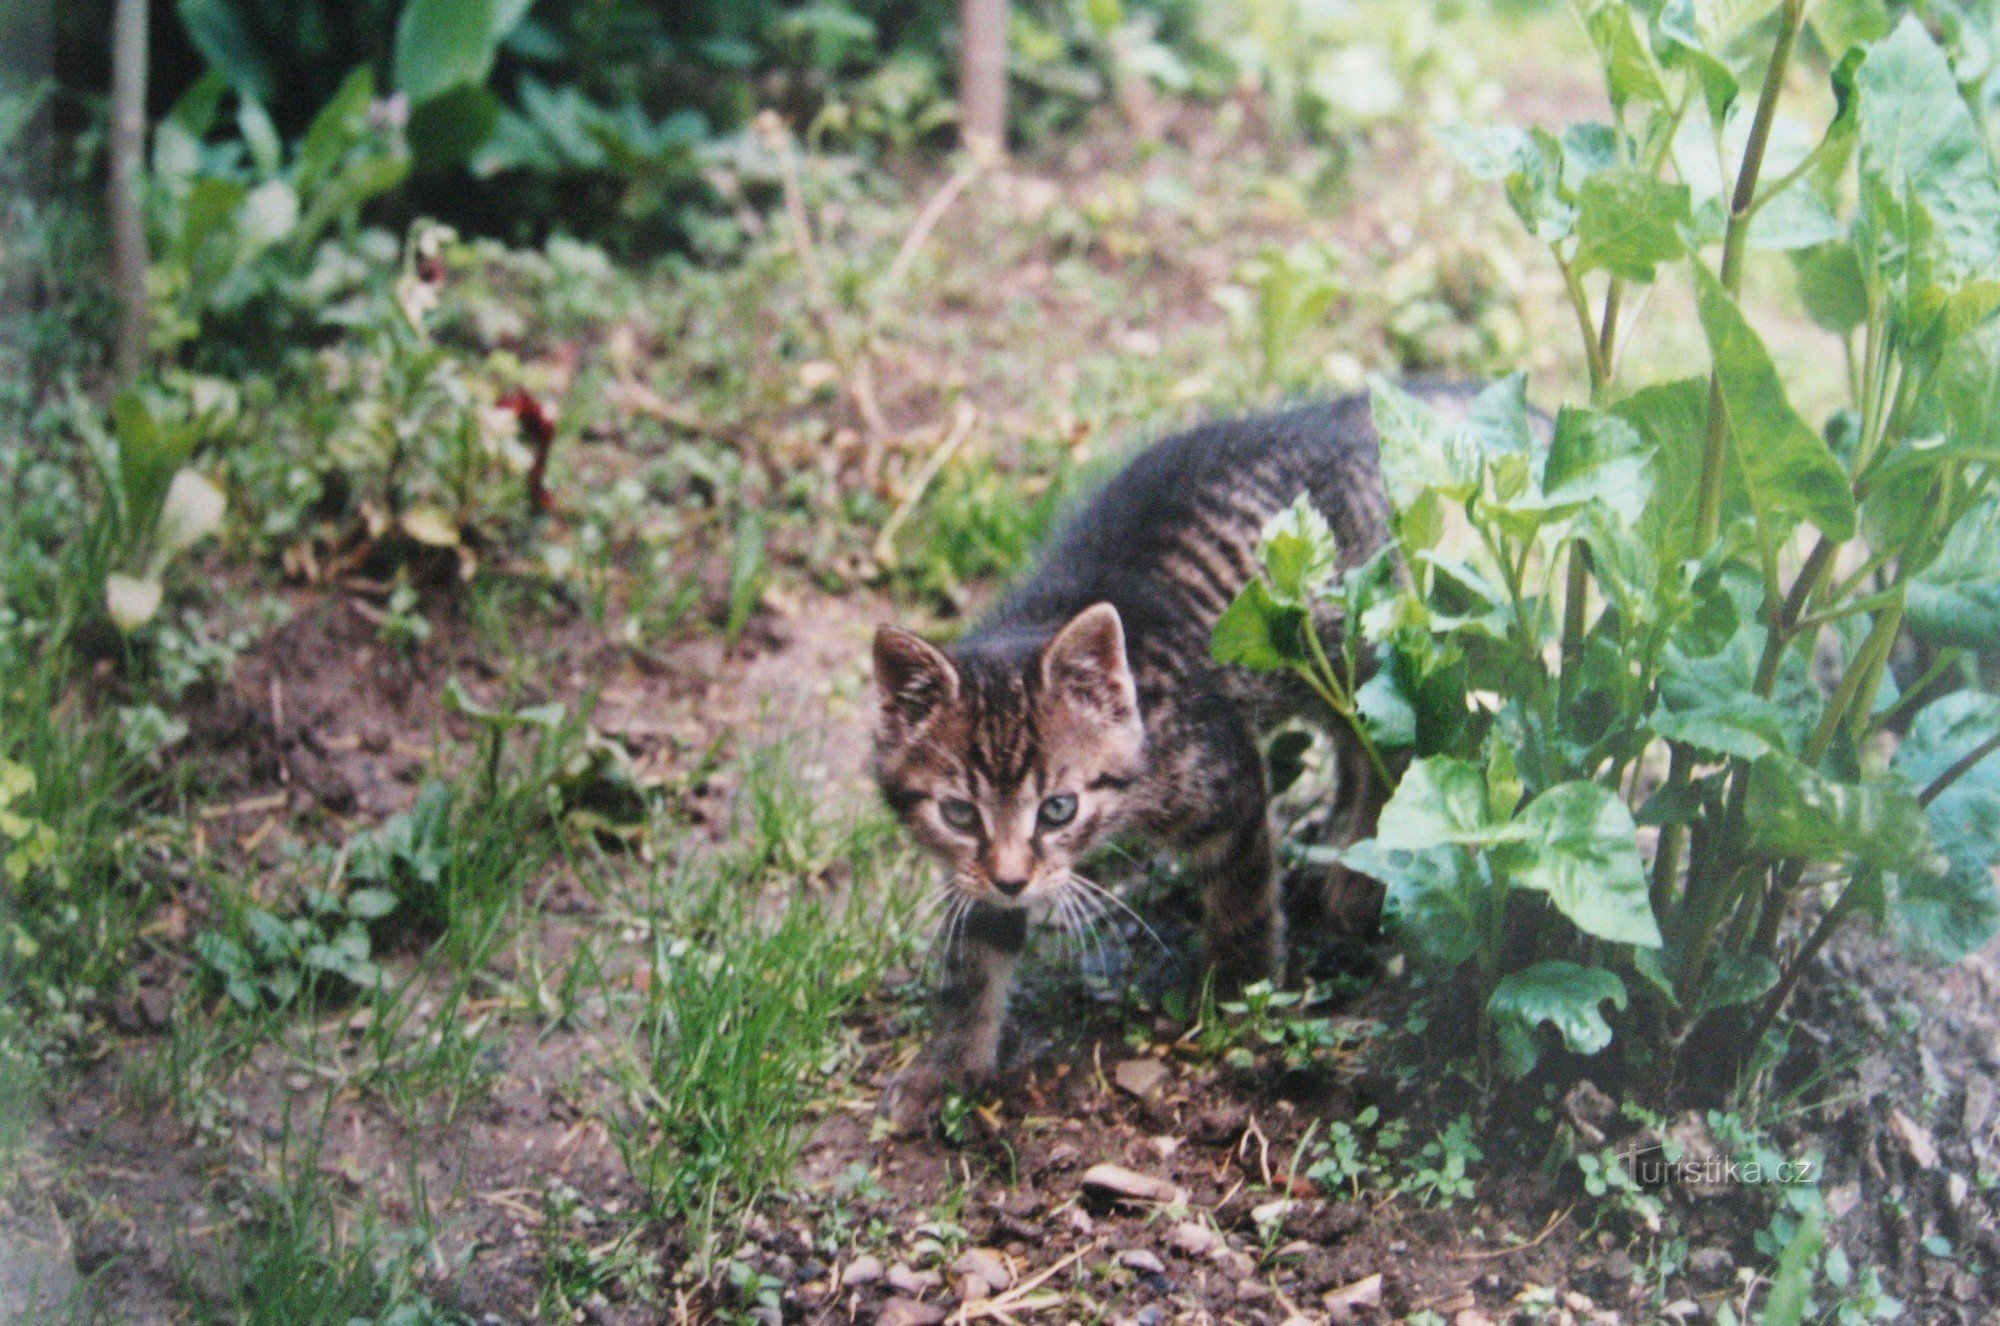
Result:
[{"x": 753, "y": 960}]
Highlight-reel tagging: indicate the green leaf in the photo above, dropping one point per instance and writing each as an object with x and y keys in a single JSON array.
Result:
[
  {"x": 1580, "y": 847},
  {"x": 1788, "y": 471},
  {"x": 1792, "y": 1284},
  {"x": 1745, "y": 725},
  {"x": 334, "y": 131},
  {"x": 1441, "y": 800},
  {"x": 1954, "y": 911},
  {"x": 1672, "y": 419},
  {"x": 443, "y": 44},
  {"x": 1793, "y": 810},
  {"x": 1736, "y": 980},
  {"x": 1840, "y": 24},
  {"x": 1627, "y": 222},
  {"x": 447, "y": 130},
  {"x": 1260, "y": 633},
  {"x": 215, "y": 28},
  {"x": 1531, "y": 164},
  {"x": 1630, "y": 71},
  {"x": 1419, "y": 448},
  {"x": 1562, "y": 994},
  {"x": 1596, "y": 457},
  {"x": 1968, "y": 386},
  {"x": 1831, "y": 286},
  {"x": 1956, "y": 599},
  {"x": 371, "y": 904},
  {"x": 1434, "y": 899},
  {"x": 1298, "y": 552},
  {"x": 1919, "y": 144}
]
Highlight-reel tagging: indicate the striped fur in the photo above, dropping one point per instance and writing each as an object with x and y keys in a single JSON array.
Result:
[{"x": 1092, "y": 680}]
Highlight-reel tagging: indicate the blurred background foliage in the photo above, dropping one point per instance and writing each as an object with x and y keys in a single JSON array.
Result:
[{"x": 603, "y": 117}]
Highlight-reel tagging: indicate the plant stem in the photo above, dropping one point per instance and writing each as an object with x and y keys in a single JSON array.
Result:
[
  {"x": 1708, "y": 518},
  {"x": 1872, "y": 652},
  {"x": 1329, "y": 689},
  {"x": 1667, "y": 856},
  {"x": 1958, "y": 770},
  {"x": 1579, "y": 303},
  {"x": 1914, "y": 694},
  {"x": 1775, "y": 1001}
]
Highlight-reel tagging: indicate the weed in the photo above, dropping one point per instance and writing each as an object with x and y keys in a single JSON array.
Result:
[
  {"x": 1622, "y": 584},
  {"x": 743, "y": 999}
]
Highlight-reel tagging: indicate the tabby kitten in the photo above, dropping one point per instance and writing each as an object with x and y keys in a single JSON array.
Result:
[{"x": 1086, "y": 704}]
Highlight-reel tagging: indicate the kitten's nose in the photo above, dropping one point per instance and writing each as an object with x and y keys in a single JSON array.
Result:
[{"x": 1010, "y": 887}]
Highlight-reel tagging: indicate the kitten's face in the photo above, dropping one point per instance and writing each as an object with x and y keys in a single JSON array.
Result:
[{"x": 1007, "y": 765}]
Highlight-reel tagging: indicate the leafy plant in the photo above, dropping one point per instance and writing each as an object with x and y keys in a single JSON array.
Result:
[
  {"x": 1611, "y": 619},
  {"x": 163, "y": 505},
  {"x": 271, "y": 960},
  {"x": 235, "y": 224}
]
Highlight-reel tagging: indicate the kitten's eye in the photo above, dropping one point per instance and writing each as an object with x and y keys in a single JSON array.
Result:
[
  {"x": 1058, "y": 810},
  {"x": 960, "y": 815}
]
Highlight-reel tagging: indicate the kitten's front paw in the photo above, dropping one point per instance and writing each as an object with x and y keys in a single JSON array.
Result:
[{"x": 911, "y": 1102}]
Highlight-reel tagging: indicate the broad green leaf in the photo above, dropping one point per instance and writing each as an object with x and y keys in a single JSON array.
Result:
[
  {"x": 1672, "y": 419},
  {"x": 338, "y": 126},
  {"x": 1419, "y": 448},
  {"x": 1434, "y": 899},
  {"x": 1258, "y": 632},
  {"x": 1954, "y": 911},
  {"x": 1627, "y": 222},
  {"x": 1949, "y": 913},
  {"x": 1920, "y": 144},
  {"x": 1682, "y": 44},
  {"x": 1969, "y": 386},
  {"x": 1789, "y": 474},
  {"x": 1630, "y": 71},
  {"x": 1840, "y": 24},
  {"x": 1580, "y": 847},
  {"x": 1440, "y": 800},
  {"x": 1956, "y": 599},
  {"x": 1793, "y": 810},
  {"x": 1745, "y": 725},
  {"x": 1529, "y": 162},
  {"x": 1737, "y": 979},
  {"x": 1298, "y": 552},
  {"x": 1564, "y": 995},
  {"x": 442, "y": 44},
  {"x": 1831, "y": 286},
  {"x": 1596, "y": 457},
  {"x": 450, "y": 128},
  {"x": 1389, "y": 714},
  {"x": 215, "y": 28},
  {"x": 1589, "y": 146},
  {"x": 371, "y": 904}
]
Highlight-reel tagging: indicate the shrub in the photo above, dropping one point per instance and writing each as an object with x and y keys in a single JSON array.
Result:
[{"x": 1623, "y": 769}]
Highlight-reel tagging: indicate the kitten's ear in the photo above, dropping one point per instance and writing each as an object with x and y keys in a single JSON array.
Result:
[
  {"x": 913, "y": 676},
  {"x": 1086, "y": 662}
]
